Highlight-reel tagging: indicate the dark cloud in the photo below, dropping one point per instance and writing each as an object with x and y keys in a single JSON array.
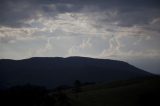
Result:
[{"x": 14, "y": 13}]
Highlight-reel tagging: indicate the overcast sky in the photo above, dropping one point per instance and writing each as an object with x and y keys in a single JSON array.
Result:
[{"x": 127, "y": 30}]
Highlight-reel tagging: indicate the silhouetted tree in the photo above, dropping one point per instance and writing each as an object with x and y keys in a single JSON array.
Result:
[{"x": 77, "y": 87}]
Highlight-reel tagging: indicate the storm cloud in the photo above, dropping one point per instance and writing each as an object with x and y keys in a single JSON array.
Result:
[{"x": 128, "y": 30}]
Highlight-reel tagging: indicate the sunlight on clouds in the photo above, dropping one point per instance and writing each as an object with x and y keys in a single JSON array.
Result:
[
  {"x": 86, "y": 43},
  {"x": 88, "y": 23},
  {"x": 67, "y": 22},
  {"x": 108, "y": 29},
  {"x": 11, "y": 34},
  {"x": 79, "y": 49}
]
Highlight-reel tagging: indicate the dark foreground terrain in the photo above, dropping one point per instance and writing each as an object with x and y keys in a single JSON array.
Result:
[
  {"x": 140, "y": 92},
  {"x": 143, "y": 92}
]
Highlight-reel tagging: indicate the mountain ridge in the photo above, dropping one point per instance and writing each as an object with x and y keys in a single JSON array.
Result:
[{"x": 55, "y": 71}]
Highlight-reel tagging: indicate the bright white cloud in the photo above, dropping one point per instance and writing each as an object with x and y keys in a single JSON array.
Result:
[{"x": 8, "y": 34}]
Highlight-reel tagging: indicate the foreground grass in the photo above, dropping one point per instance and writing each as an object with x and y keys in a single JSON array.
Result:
[
  {"x": 139, "y": 92},
  {"x": 144, "y": 92}
]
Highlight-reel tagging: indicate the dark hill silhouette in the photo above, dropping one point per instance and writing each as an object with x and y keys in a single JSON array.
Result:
[{"x": 55, "y": 71}]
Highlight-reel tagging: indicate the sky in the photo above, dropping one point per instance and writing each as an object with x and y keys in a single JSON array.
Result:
[{"x": 127, "y": 30}]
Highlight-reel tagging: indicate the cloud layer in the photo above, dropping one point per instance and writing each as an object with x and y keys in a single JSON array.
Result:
[{"x": 116, "y": 29}]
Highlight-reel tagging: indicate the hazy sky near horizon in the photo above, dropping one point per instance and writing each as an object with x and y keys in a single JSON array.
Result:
[{"x": 127, "y": 30}]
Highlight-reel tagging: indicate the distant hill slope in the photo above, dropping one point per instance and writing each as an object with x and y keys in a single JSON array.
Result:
[{"x": 55, "y": 71}]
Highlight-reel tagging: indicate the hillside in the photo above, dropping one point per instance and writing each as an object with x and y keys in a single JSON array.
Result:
[
  {"x": 143, "y": 92},
  {"x": 52, "y": 72}
]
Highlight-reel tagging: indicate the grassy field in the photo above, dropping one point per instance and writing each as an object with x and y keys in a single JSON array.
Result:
[
  {"x": 139, "y": 92},
  {"x": 142, "y": 92}
]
